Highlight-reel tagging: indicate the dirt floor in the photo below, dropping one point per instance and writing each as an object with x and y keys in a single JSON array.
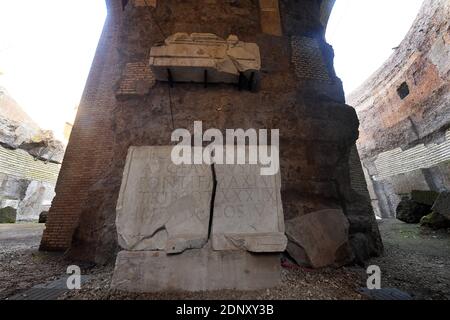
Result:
[
  {"x": 416, "y": 260},
  {"x": 22, "y": 266}
]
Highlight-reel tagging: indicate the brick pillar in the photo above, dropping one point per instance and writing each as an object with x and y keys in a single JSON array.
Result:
[{"x": 90, "y": 145}]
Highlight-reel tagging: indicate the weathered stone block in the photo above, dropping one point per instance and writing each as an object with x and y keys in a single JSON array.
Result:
[
  {"x": 195, "y": 270},
  {"x": 162, "y": 206},
  {"x": 248, "y": 213},
  {"x": 319, "y": 239},
  {"x": 163, "y": 221}
]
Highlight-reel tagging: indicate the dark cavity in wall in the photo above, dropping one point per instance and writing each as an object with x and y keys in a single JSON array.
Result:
[{"x": 403, "y": 90}]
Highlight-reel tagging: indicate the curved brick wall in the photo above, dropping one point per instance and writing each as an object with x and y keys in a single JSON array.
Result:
[{"x": 404, "y": 109}]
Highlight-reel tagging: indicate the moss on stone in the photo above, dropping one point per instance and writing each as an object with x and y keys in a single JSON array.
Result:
[
  {"x": 435, "y": 221},
  {"x": 424, "y": 197},
  {"x": 8, "y": 215}
]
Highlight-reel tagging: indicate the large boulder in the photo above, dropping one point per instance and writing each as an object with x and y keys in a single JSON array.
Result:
[
  {"x": 320, "y": 239},
  {"x": 8, "y": 215},
  {"x": 19, "y": 131},
  {"x": 435, "y": 221},
  {"x": 410, "y": 211},
  {"x": 442, "y": 204}
]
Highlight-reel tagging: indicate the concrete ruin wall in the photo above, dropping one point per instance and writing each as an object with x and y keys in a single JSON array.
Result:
[
  {"x": 404, "y": 109},
  {"x": 29, "y": 162},
  {"x": 123, "y": 106}
]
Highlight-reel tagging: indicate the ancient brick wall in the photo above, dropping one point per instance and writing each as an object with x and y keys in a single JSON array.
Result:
[
  {"x": 404, "y": 109},
  {"x": 90, "y": 146},
  {"x": 123, "y": 106}
]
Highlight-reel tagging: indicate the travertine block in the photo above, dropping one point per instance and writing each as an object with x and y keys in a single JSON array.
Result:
[
  {"x": 162, "y": 206},
  {"x": 248, "y": 212},
  {"x": 195, "y": 270}
]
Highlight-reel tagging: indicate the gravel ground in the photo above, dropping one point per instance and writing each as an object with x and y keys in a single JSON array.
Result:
[
  {"x": 298, "y": 284},
  {"x": 416, "y": 261},
  {"x": 22, "y": 266}
]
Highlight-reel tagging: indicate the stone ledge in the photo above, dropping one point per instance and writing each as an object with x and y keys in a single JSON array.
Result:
[{"x": 195, "y": 270}]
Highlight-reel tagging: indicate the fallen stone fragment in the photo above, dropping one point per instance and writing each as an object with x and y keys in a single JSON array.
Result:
[
  {"x": 319, "y": 239},
  {"x": 410, "y": 211}
]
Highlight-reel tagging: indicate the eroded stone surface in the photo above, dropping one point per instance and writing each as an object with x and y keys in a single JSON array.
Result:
[
  {"x": 248, "y": 213},
  {"x": 164, "y": 210},
  {"x": 319, "y": 239},
  {"x": 162, "y": 206},
  {"x": 195, "y": 270},
  {"x": 38, "y": 197}
]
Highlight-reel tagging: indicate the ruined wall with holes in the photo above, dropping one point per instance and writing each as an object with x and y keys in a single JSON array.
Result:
[
  {"x": 404, "y": 109},
  {"x": 123, "y": 106},
  {"x": 29, "y": 162}
]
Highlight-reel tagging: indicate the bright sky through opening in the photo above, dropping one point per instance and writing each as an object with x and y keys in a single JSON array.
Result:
[{"x": 364, "y": 33}]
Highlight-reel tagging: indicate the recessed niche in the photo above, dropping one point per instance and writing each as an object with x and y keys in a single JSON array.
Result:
[{"x": 403, "y": 90}]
